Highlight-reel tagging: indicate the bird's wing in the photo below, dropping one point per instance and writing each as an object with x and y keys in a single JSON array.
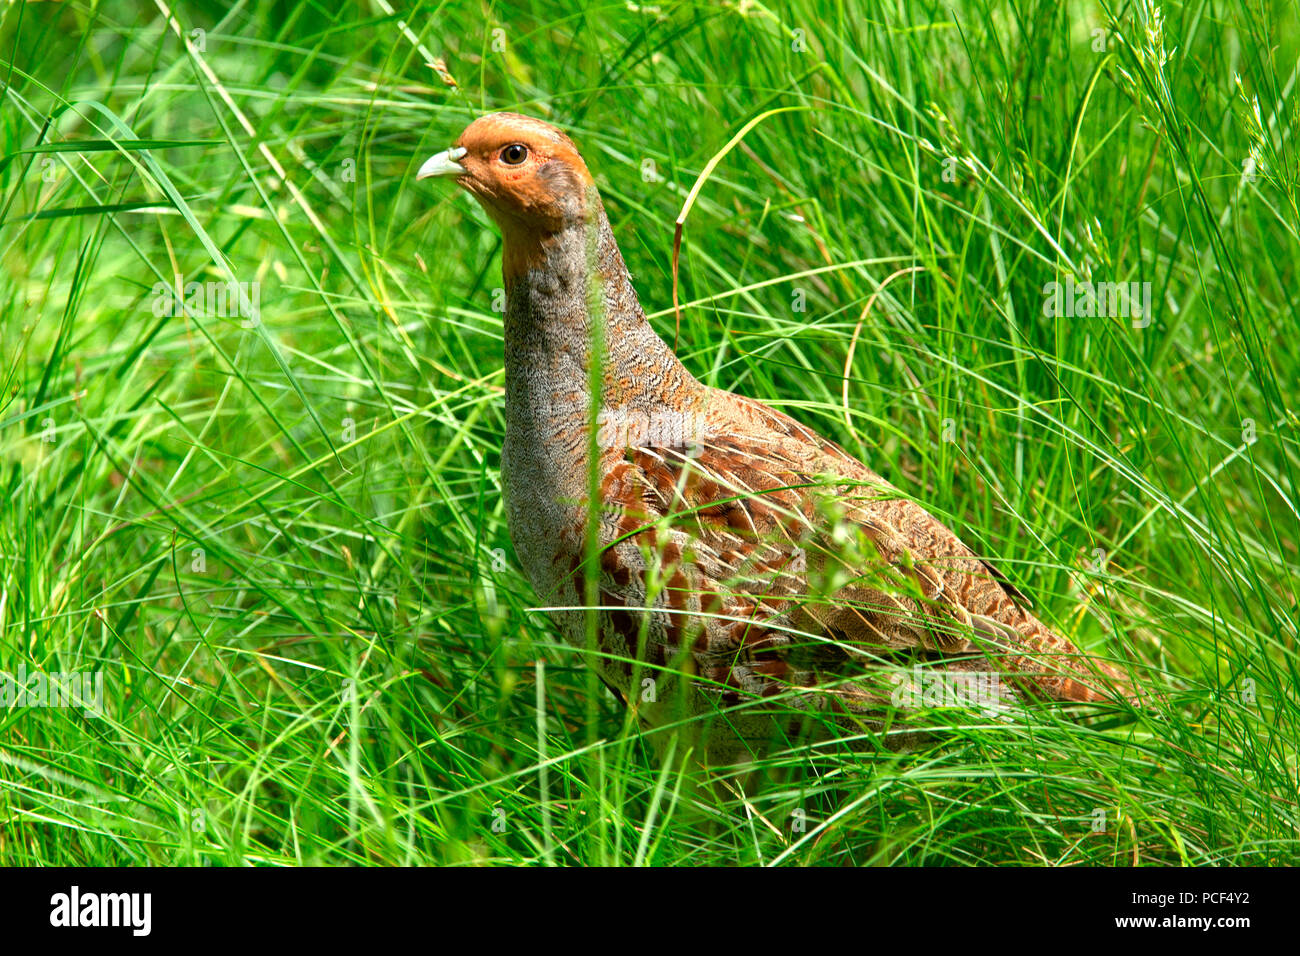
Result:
[{"x": 779, "y": 521}]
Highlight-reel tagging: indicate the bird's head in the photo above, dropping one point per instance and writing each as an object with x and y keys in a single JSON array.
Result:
[{"x": 525, "y": 173}]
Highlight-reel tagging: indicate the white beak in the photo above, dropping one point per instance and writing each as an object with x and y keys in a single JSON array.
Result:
[{"x": 443, "y": 164}]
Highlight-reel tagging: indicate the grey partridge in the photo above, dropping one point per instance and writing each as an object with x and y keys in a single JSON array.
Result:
[{"x": 739, "y": 560}]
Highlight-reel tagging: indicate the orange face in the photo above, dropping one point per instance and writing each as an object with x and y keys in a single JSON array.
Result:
[{"x": 525, "y": 173}]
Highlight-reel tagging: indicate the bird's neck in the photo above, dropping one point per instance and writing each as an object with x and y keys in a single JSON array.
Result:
[{"x": 568, "y": 293}]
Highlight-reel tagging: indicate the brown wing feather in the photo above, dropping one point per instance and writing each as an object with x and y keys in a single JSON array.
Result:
[{"x": 764, "y": 528}]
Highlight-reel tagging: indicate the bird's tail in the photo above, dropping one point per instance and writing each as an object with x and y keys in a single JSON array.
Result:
[{"x": 1056, "y": 669}]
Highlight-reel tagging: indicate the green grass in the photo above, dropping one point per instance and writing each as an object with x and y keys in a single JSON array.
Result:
[{"x": 284, "y": 546}]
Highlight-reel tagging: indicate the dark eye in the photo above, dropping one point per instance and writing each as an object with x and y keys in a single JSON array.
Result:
[{"x": 514, "y": 154}]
